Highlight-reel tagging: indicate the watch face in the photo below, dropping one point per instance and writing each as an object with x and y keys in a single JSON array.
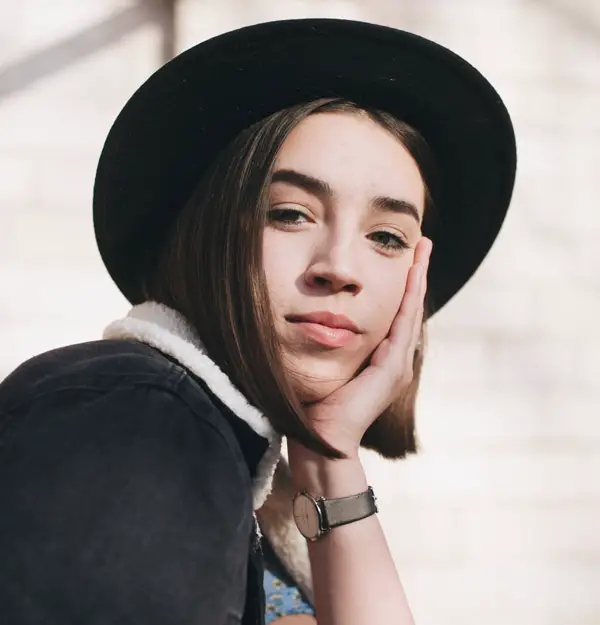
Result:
[{"x": 306, "y": 516}]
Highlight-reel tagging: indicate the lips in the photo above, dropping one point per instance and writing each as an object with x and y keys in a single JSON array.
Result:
[
  {"x": 328, "y": 319},
  {"x": 326, "y": 328}
]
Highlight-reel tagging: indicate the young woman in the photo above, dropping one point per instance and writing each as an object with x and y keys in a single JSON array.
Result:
[{"x": 268, "y": 202}]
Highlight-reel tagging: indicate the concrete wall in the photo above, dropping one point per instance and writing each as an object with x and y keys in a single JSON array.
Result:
[{"x": 497, "y": 521}]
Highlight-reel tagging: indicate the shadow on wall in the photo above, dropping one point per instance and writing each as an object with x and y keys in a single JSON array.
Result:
[
  {"x": 60, "y": 55},
  {"x": 54, "y": 58}
]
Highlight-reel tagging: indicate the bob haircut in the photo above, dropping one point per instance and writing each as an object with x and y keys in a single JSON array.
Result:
[{"x": 211, "y": 272}]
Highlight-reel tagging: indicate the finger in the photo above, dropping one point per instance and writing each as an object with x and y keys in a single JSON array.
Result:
[
  {"x": 418, "y": 327},
  {"x": 423, "y": 251},
  {"x": 400, "y": 335},
  {"x": 402, "y": 329},
  {"x": 412, "y": 300},
  {"x": 416, "y": 336}
]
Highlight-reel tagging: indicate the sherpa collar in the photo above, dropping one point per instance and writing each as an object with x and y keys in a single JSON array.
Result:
[{"x": 166, "y": 330}]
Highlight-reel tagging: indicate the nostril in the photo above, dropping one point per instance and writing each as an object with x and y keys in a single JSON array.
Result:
[{"x": 319, "y": 280}]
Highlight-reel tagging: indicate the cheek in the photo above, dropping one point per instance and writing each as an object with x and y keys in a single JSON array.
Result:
[
  {"x": 281, "y": 266},
  {"x": 387, "y": 288}
]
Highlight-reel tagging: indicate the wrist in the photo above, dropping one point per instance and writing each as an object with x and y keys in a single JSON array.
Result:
[{"x": 325, "y": 477}]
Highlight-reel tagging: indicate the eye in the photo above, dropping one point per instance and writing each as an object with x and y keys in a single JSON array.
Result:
[
  {"x": 388, "y": 241},
  {"x": 286, "y": 217}
]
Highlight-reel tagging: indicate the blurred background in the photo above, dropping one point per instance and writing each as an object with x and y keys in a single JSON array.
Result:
[{"x": 497, "y": 520}]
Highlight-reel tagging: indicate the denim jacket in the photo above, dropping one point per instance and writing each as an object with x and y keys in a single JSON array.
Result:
[{"x": 131, "y": 470}]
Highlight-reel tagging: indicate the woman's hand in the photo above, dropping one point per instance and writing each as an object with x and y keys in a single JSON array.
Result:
[
  {"x": 343, "y": 417},
  {"x": 354, "y": 576}
]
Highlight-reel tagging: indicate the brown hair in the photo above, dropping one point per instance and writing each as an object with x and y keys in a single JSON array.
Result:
[{"x": 211, "y": 272}]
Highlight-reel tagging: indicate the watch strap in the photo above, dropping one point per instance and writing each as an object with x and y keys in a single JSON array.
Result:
[{"x": 349, "y": 509}]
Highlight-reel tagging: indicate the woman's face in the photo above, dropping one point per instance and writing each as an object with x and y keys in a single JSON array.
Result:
[{"x": 346, "y": 204}]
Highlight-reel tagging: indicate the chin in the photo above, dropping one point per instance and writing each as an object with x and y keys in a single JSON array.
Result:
[
  {"x": 316, "y": 382},
  {"x": 392, "y": 435},
  {"x": 311, "y": 391}
]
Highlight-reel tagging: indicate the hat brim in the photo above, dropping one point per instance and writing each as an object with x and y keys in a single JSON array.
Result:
[{"x": 186, "y": 112}]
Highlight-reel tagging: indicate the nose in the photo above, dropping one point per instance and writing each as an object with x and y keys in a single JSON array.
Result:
[{"x": 334, "y": 269}]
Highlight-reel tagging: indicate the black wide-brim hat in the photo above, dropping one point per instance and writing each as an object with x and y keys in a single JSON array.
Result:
[{"x": 186, "y": 112}]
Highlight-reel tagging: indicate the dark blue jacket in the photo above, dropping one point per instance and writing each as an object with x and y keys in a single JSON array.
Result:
[{"x": 125, "y": 494}]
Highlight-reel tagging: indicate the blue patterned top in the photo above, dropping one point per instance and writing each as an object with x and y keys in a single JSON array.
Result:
[{"x": 282, "y": 596}]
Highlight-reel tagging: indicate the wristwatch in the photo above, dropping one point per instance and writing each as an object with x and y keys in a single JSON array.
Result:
[{"x": 316, "y": 517}]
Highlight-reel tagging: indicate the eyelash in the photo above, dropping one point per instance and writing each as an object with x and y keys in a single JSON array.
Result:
[
  {"x": 397, "y": 244},
  {"x": 281, "y": 215},
  {"x": 278, "y": 215}
]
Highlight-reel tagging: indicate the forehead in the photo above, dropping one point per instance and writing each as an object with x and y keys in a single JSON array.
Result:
[{"x": 354, "y": 155}]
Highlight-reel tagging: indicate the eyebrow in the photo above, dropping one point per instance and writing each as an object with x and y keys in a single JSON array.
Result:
[{"x": 324, "y": 190}]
